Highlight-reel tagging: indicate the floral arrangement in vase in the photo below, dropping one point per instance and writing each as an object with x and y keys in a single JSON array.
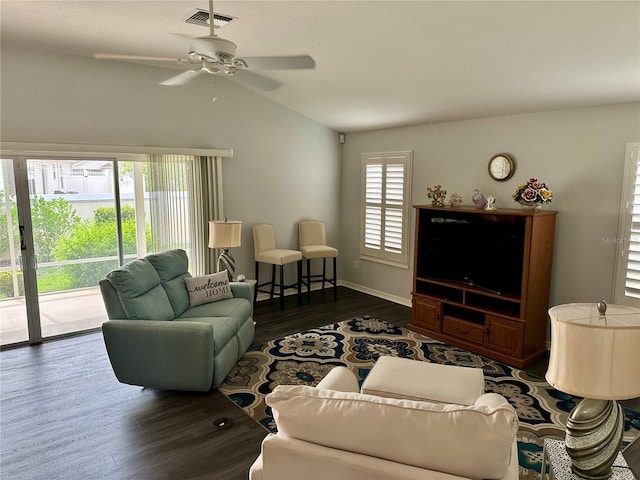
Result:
[
  {"x": 437, "y": 195},
  {"x": 532, "y": 193}
]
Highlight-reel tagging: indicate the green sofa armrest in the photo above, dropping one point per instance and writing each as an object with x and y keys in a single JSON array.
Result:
[
  {"x": 164, "y": 355},
  {"x": 243, "y": 290}
]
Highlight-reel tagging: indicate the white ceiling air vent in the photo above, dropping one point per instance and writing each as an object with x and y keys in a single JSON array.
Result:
[{"x": 201, "y": 17}]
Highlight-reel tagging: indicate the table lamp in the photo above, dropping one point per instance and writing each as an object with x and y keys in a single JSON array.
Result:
[
  {"x": 225, "y": 235},
  {"x": 595, "y": 354}
]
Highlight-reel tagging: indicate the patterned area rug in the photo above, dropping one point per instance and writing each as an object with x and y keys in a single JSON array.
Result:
[{"x": 305, "y": 358}]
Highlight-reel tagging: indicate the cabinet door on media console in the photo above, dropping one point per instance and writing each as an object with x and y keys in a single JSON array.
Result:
[
  {"x": 427, "y": 314},
  {"x": 504, "y": 335}
]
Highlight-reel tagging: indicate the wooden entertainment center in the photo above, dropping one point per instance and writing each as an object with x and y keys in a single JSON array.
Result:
[{"x": 511, "y": 251}]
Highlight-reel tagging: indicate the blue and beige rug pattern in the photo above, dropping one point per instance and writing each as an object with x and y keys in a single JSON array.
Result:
[{"x": 305, "y": 358}]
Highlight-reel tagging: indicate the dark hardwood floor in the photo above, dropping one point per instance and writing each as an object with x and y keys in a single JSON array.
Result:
[{"x": 63, "y": 414}]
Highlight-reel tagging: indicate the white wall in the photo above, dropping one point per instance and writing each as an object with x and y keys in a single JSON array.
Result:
[
  {"x": 579, "y": 153},
  {"x": 285, "y": 167}
]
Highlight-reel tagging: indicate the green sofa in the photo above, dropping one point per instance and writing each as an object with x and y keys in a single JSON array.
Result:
[{"x": 154, "y": 339}]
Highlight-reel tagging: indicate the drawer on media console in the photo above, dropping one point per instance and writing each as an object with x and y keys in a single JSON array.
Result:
[{"x": 471, "y": 332}]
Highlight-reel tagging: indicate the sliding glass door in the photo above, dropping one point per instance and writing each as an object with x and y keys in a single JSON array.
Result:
[
  {"x": 61, "y": 223},
  {"x": 75, "y": 239},
  {"x": 66, "y": 221}
]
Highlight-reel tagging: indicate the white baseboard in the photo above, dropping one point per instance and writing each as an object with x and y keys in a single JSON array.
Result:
[
  {"x": 341, "y": 283},
  {"x": 377, "y": 293}
]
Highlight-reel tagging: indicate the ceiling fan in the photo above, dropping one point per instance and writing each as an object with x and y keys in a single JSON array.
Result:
[{"x": 215, "y": 55}]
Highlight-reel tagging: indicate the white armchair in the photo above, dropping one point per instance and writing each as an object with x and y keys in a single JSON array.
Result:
[{"x": 334, "y": 431}]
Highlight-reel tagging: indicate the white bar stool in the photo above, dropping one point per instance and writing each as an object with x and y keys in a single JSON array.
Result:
[
  {"x": 313, "y": 244},
  {"x": 264, "y": 246}
]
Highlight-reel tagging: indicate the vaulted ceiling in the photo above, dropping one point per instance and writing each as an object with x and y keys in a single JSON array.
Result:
[{"x": 378, "y": 63}]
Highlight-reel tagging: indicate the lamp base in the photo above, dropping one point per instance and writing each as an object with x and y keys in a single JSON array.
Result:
[
  {"x": 594, "y": 436},
  {"x": 226, "y": 262}
]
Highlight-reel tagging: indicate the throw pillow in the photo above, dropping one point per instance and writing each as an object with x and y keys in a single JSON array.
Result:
[{"x": 208, "y": 288}]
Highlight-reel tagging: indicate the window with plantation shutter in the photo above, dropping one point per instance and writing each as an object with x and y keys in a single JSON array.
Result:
[
  {"x": 626, "y": 289},
  {"x": 386, "y": 182}
]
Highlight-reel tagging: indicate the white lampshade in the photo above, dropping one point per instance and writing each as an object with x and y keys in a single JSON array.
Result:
[
  {"x": 224, "y": 234},
  {"x": 593, "y": 355}
]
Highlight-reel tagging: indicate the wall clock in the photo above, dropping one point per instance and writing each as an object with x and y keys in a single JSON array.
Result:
[{"x": 501, "y": 167}]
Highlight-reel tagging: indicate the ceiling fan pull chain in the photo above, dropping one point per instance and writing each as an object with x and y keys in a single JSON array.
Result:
[{"x": 211, "y": 19}]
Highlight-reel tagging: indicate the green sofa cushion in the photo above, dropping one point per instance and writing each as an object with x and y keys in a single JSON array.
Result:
[
  {"x": 239, "y": 309},
  {"x": 141, "y": 295},
  {"x": 172, "y": 267}
]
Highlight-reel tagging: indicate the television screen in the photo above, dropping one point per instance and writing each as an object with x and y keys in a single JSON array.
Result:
[{"x": 484, "y": 251}]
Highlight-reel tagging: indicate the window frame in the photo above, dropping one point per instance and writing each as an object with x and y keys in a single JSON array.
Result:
[
  {"x": 630, "y": 198},
  {"x": 381, "y": 255}
]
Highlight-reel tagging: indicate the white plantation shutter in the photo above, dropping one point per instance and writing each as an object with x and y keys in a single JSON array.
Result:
[
  {"x": 386, "y": 180},
  {"x": 627, "y": 278},
  {"x": 373, "y": 205},
  {"x": 394, "y": 214},
  {"x": 632, "y": 283}
]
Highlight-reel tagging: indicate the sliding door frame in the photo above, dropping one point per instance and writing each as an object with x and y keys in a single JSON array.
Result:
[{"x": 27, "y": 253}]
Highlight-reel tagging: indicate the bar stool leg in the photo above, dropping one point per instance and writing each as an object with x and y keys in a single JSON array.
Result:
[
  {"x": 282, "y": 288},
  {"x": 308, "y": 279},
  {"x": 335, "y": 279},
  {"x": 273, "y": 281},
  {"x": 299, "y": 262},
  {"x": 255, "y": 290},
  {"x": 324, "y": 272}
]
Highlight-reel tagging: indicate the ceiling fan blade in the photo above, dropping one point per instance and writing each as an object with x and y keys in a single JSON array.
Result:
[
  {"x": 292, "y": 62},
  {"x": 134, "y": 58},
  {"x": 181, "y": 78},
  {"x": 163, "y": 62},
  {"x": 256, "y": 80}
]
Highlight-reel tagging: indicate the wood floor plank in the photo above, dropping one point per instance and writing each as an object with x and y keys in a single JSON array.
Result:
[{"x": 63, "y": 414}]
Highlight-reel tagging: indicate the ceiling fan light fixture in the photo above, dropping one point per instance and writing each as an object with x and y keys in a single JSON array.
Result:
[{"x": 215, "y": 47}]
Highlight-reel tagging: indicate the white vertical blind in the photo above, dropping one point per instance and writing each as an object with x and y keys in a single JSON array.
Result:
[
  {"x": 170, "y": 195},
  {"x": 627, "y": 276},
  {"x": 386, "y": 180},
  {"x": 184, "y": 194}
]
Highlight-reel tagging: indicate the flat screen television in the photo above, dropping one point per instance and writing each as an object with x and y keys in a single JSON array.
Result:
[{"x": 483, "y": 251}]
